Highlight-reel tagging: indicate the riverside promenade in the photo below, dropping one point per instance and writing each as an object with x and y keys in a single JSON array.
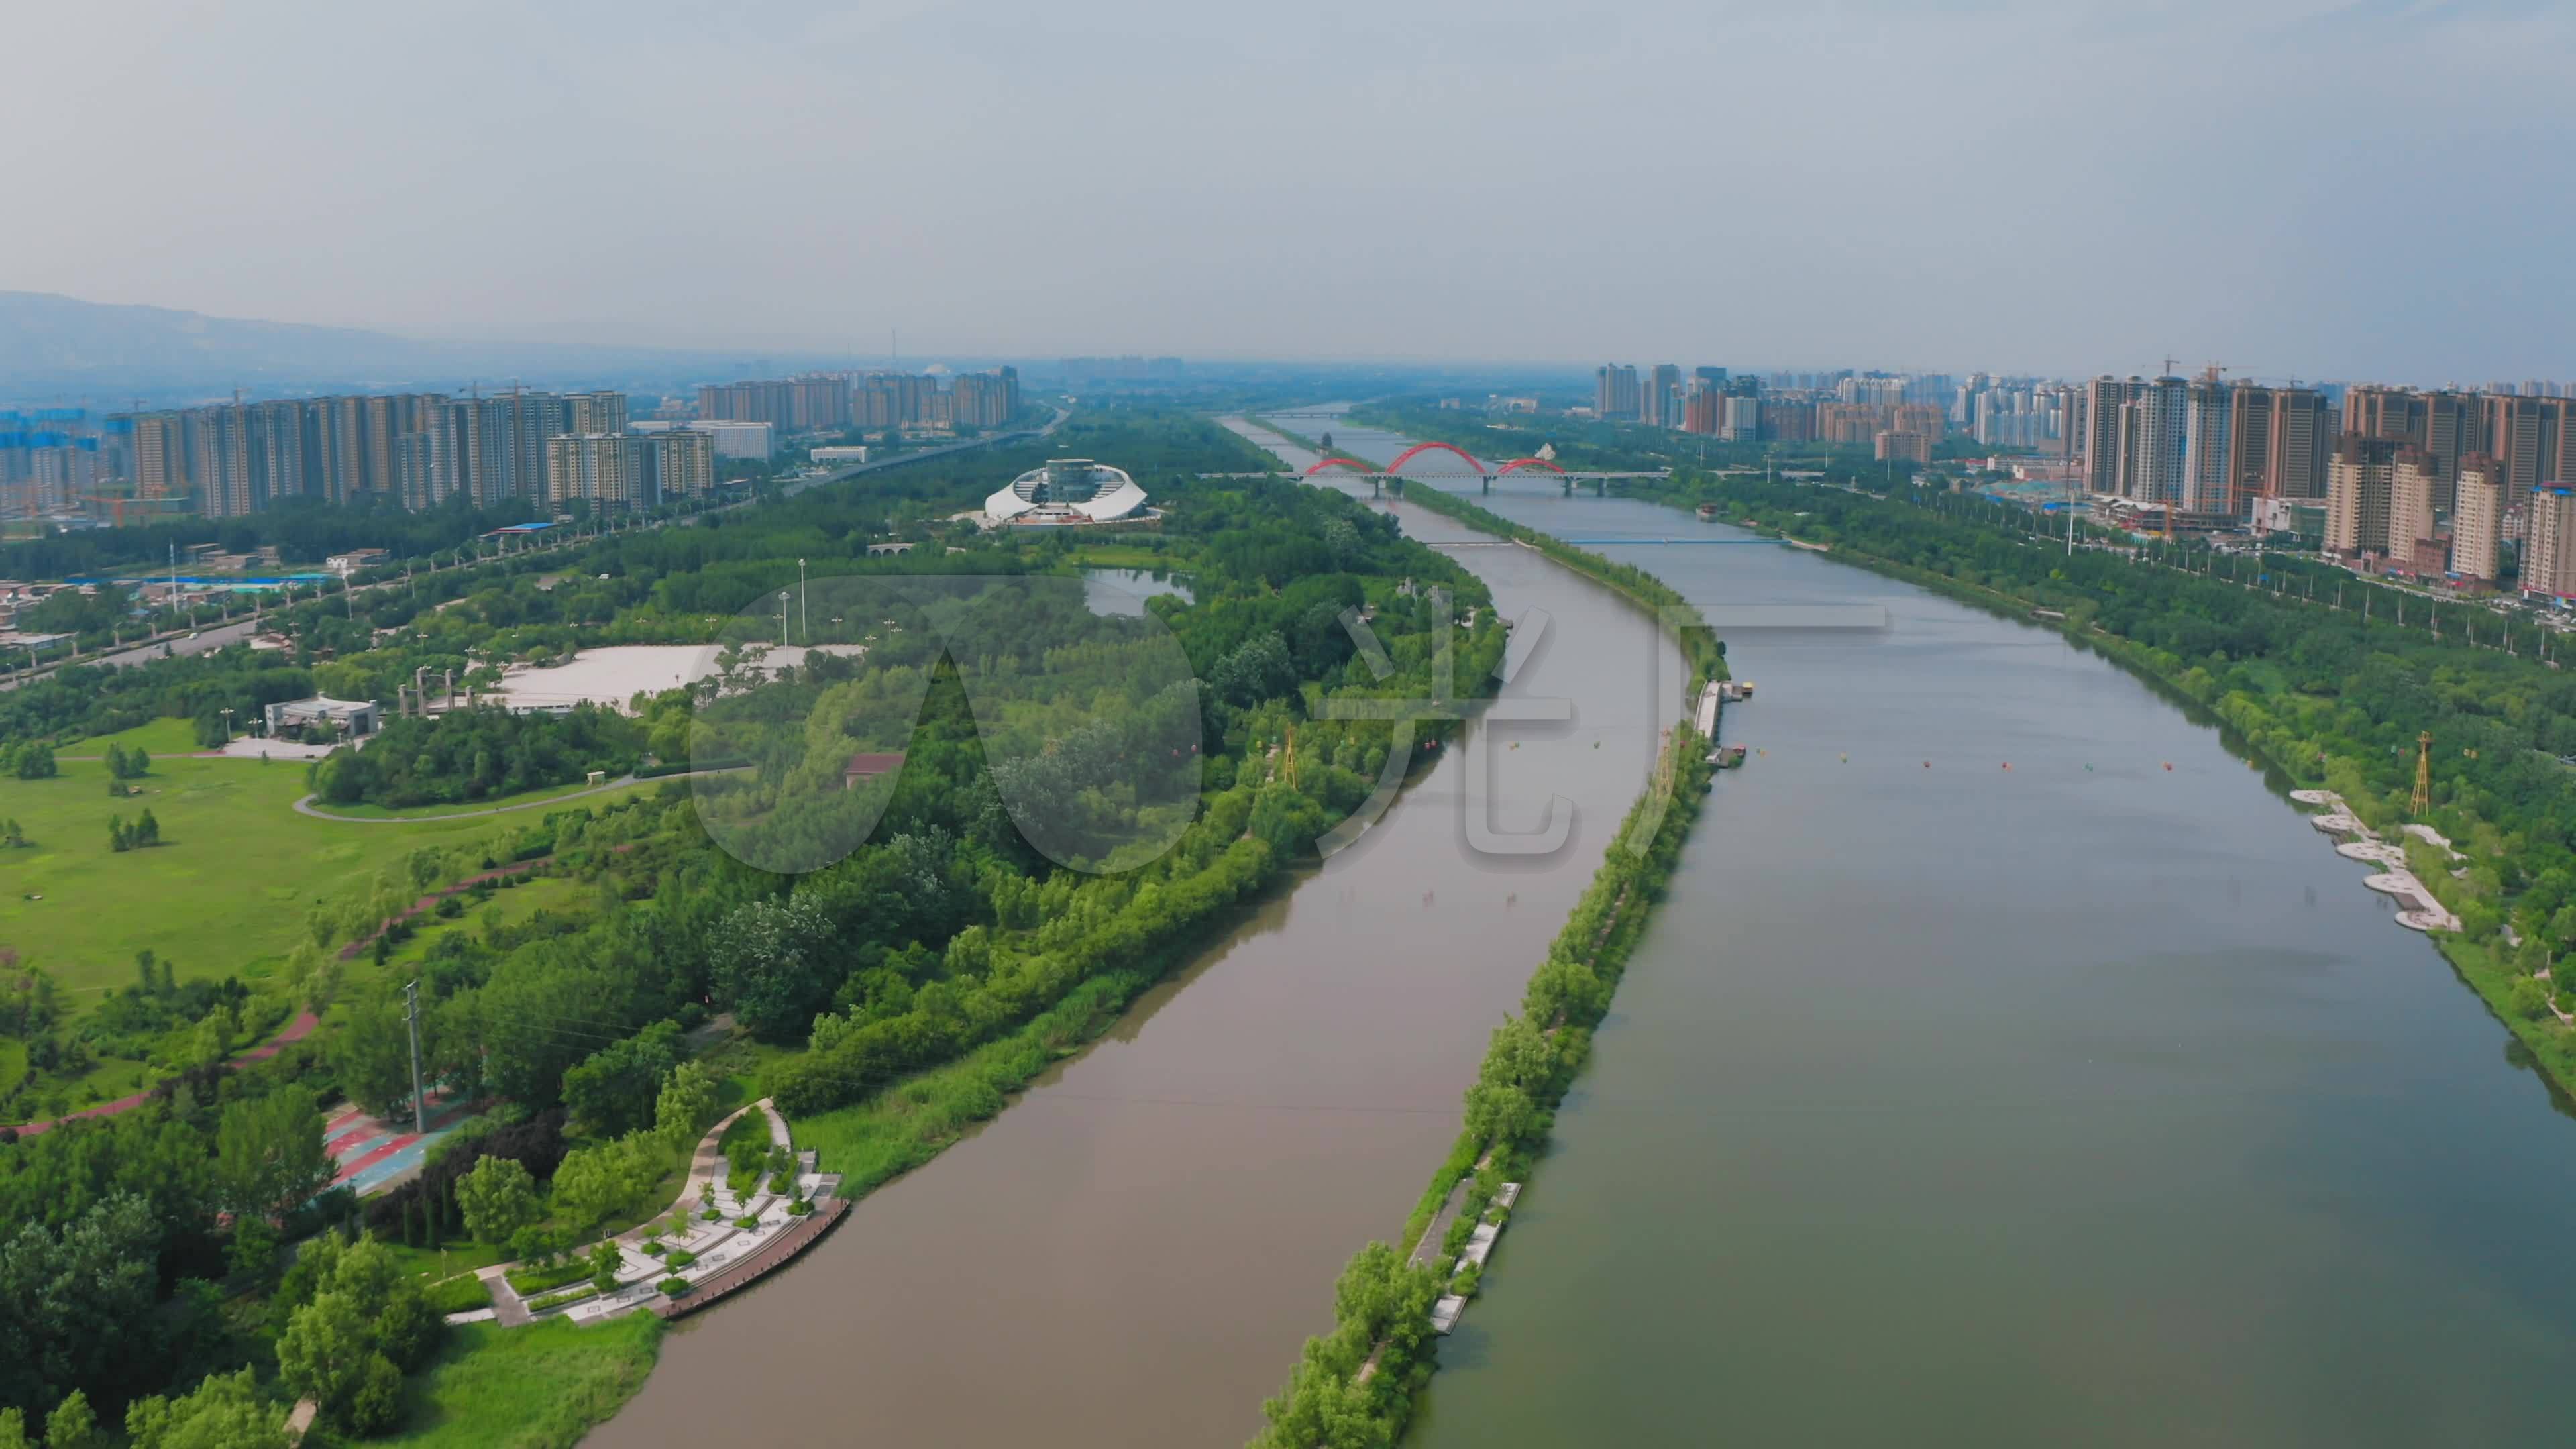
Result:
[{"x": 728, "y": 1240}]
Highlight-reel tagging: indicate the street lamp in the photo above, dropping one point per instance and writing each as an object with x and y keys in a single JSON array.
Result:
[
  {"x": 803, "y": 626},
  {"x": 227, "y": 713},
  {"x": 782, "y": 618}
]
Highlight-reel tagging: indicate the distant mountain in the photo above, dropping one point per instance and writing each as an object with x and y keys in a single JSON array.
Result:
[{"x": 61, "y": 348}]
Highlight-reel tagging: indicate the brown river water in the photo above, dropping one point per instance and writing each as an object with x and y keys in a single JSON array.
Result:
[{"x": 1133, "y": 1252}]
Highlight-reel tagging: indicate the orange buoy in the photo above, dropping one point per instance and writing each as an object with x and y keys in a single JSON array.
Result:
[
  {"x": 2168, "y": 764},
  {"x": 2007, "y": 764}
]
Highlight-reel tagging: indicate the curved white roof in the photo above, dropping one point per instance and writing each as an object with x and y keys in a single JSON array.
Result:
[{"x": 1067, "y": 490}]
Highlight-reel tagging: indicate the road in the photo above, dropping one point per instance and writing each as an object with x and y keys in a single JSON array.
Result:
[
  {"x": 839, "y": 475},
  {"x": 212, "y": 637}
]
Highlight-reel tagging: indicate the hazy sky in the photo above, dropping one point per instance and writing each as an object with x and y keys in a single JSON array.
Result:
[{"x": 2379, "y": 189}]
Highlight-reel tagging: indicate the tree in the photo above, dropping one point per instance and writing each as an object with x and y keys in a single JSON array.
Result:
[
  {"x": 596, "y": 1182},
  {"x": 605, "y": 1260},
  {"x": 253, "y": 1248},
  {"x": 13, "y": 1429},
  {"x": 323, "y": 1353},
  {"x": 225, "y": 1412},
  {"x": 34, "y": 760},
  {"x": 147, "y": 831},
  {"x": 346, "y": 1349},
  {"x": 613, "y": 1090},
  {"x": 77, "y": 1304},
  {"x": 497, "y": 1198},
  {"x": 72, "y": 1425},
  {"x": 773, "y": 963},
  {"x": 687, "y": 1104},
  {"x": 269, "y": 1153},
  {"x": 373, "y": 1056}
]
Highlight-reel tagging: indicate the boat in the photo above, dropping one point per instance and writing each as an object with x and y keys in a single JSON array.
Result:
[
  {"x": 1727, "y": 757},
  {"x": 1707, "y": 511}
]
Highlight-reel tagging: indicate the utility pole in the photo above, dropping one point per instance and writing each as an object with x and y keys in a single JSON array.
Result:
[{"x": 419, "y": 1101}]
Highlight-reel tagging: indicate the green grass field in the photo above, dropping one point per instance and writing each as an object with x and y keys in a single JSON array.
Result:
[
  {"x": 226, "y": 891},
  {"x": 538, "y": 1387},
  {"x": 511, "y": 802}
]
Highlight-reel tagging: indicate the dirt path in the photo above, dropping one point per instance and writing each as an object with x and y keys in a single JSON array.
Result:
[{"x": 297, "y": 1030}]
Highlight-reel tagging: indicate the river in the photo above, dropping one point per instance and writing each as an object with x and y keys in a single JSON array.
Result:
[
  {"x": 2088, "y": 1101},
  {"x": 1134, "y": 1251}
]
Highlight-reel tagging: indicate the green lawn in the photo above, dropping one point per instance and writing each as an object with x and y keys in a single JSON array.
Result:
[
  {"x": 559, "y": 894},
  {"x": 506, "y": 802},
  {"x": 160, "y": 737},
  {"x": 538, "y": 1387},
  {"x": 227, "y": 890}
]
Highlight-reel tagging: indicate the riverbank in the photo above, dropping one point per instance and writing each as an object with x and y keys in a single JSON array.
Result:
[{"x": 1380, "y": 1352}]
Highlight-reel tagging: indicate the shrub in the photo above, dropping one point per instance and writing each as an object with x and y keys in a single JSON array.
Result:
[
  {"x": 800, "y": 1207},
  {"x": 558, "y": 1300},
  {"x": 674, "y": 1287},
  {"x": 540, "y": 1280},
  {"x": 678, "y": 1258},
  {"x": 747, "y": 1220},
  {"x": 462, "y": 1294}
]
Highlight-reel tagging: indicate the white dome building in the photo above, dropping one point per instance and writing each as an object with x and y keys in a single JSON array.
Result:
[{"x": 1067, "y": 491}]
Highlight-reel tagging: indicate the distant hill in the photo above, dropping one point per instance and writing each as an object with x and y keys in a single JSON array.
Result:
[{"x": 55, "y": 347}]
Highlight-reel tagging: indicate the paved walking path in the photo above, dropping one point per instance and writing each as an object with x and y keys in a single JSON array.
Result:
[{"x": 726, "y": 1255}]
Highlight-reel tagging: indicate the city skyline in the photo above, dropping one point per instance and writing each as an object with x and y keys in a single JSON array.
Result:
[{"x": 1237, "y": 181}]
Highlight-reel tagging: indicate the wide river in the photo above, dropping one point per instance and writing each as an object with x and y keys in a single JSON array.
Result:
[
  {"x": 1131, "y": 1255},
  {"x": 2082, "y": 1102},
  {"x": 2088, "y": 1101}
]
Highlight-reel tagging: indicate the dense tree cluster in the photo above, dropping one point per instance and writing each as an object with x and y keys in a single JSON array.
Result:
[{"x": 473, "y": 754}]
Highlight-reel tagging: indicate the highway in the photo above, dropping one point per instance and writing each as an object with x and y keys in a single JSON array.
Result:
[{"x": 839, "y": 475}]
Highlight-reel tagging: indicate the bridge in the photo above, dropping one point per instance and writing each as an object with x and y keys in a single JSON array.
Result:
[
  {"x": 1616, "y": 542},
  {"x": 1391, "y": 475}
]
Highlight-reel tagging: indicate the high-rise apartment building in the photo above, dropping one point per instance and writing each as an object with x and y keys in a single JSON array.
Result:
[
  {"x": 680, "y": 463},
  {"x": 2411, "y": 532},
  {"x": 2153, "y": 439},
  {"x": 160, "y": 468},
  {"x": 2300, "y": 450},
  {"x": 2359, "y": 483},
  {"x": 2208, "y": 456},
  {"x": 2249, "y": 445},
  {"x": 2106, "y": 421},
  {"x": 2529, "y": 439},
  {"x": 1661, "y": 405},
  {"x": 1702, "y": 409},
  {"x": 595, "y": 468},
  {"x": 1739, "y": 418},
  {"x": 595, "y": 412},
  {"x": 2477, "y": 519},
  {"x": 2549, "y": 546},
  {"x": 1615, "y": 393}
]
